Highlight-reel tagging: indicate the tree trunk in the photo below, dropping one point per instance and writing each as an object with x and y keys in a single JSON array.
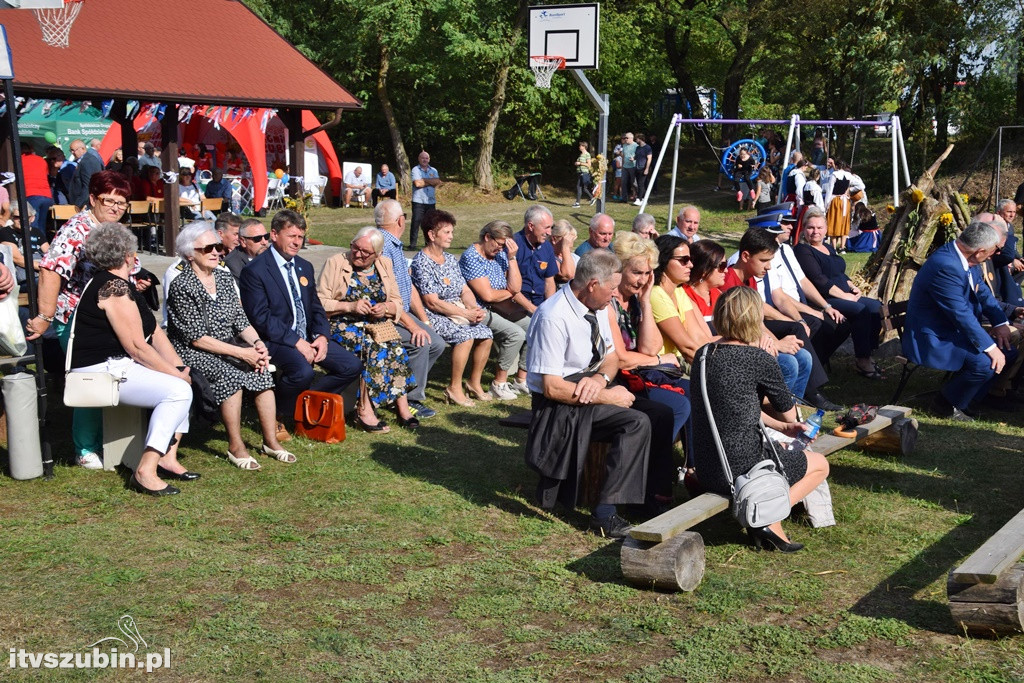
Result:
[
  {"x": 483, "y": 178},
  {"x": 734, "y": 79},
  {"x": 677, "y": 53},
  {"x": 1020, "y": 74},
  {"x": 401, "y": 158}
]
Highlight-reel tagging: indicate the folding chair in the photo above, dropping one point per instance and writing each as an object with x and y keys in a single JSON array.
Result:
[
  {"x": 275, "y": 194},
  {"x": 156, "y": 224},
  {"x": 215, "y": 204},
  {"x": 59, "y": 213},
  {"x": 138, "y": 218}
]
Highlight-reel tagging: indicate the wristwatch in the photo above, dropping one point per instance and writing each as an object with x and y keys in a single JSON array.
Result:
[{"x": 607, "y": 379}]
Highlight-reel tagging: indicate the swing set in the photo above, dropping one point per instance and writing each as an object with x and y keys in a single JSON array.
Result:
[{"x": 727, "y": 160}]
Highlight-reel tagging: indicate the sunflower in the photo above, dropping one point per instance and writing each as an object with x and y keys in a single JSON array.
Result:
[
  {"x": 946, "y": 219},
  {"x": 890, "y": 208},
  {"x": 917, "y": 195}
]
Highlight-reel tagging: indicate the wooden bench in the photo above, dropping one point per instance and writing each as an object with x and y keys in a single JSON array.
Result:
[
  {"x": 986, "y": 592},
  {"x": 662, "y": 554}
]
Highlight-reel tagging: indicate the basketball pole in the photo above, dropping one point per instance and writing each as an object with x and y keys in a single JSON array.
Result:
[
  {"x": 657, "y": 164},
  {"x": 601, "y": 102}
]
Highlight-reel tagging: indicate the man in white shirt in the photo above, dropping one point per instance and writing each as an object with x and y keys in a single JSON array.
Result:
[
  {"x": 687, "y": 223},
  {"x": 356, "y": 184}
]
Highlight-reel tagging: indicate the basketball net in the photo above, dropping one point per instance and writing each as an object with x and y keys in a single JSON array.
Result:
[
  {"x": 543, "y": 67},
  {"x": 56, "y": 22}
]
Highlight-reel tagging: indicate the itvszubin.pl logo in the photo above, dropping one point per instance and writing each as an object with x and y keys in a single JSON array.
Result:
[{"x": 105, "y": 653}]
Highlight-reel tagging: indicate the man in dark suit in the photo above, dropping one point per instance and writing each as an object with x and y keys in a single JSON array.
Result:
[
  {"x": 943, "y": 327},
  {"x": 278, "y": 291},
  {"x": 90, "y": 162}
]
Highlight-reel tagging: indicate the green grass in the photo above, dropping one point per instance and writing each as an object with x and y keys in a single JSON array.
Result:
[{"x": 422, "y": 557}]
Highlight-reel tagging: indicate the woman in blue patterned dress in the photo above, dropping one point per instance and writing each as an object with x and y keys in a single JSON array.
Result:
[
  {"x": 358, "y": 288},
  {"x": 451, "y": 307}
]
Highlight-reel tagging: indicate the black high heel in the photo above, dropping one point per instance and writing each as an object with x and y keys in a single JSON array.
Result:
[{"x": 766, "y": 539}]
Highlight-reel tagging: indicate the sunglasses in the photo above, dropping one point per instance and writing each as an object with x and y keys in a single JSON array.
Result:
[
  {"x": 216, "y": 246},
  {"x": 685, "y": 260},
  {"x": 256, "y": 238},
  {"x": 723, "y": 266}
]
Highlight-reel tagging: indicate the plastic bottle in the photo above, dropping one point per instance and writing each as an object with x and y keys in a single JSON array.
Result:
[{"x": 813, "y": 427}]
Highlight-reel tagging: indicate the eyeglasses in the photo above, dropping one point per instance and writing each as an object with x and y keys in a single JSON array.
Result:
[
  {"x": 256, "y": 238},
  {"x": 216, "y": 246},
  {"x": 112, "y": 203},
  {"x": 360, "y": 250},
  {"x": 684, "y": 260},
  {"x": 723, "y": 266}
]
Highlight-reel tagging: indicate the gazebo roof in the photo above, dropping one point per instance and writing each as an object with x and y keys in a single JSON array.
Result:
[{"x": 183, "y": 51}]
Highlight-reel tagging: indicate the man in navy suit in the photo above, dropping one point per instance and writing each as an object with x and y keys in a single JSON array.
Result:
[
  {"x": 89, "y": 164},
  {"x": 279, "y": 295},
  {"x": 943, "y": 327}
]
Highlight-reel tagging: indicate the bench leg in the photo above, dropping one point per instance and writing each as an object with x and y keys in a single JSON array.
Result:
[
  {"x": 989, "y": 609},
  {"x": 904, "y": 378},
  {"x": 672, "y": 565},
  {"x": 899, "y": 437},
  {"x": 124, "y": 436}
]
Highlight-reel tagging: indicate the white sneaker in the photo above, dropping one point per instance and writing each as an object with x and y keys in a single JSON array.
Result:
[
  {"x": 576, "y": 205},
  {"x": 519, "y": 386},
  {"x": 90, "y": 461},
  {"x": 502, "y": 391},
  {"x": 638, "y": 202}
]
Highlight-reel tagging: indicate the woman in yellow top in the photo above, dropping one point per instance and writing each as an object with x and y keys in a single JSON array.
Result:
[{"x": 684, "y": 330}]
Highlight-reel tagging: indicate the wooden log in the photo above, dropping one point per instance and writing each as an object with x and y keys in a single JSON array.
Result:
[
  {"x": 988, "y": 619},
  {"x": 899, "y": 437},
  {"x": 593, "y": 475},
  {"x": 676, "y": 564},
  {"x": 1008, "y": 589}
]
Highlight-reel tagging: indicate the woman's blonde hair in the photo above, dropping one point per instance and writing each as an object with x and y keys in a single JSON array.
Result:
[
  {"x": 630, "y": 245},
  {"x": 739, "y": 315},
  {"x": 561, "y": 228}
]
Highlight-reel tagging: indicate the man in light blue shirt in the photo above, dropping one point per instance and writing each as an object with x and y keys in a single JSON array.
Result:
[
  {"x": 383, "y": 185},
  {"x": 425, "y": 180},
  {"x": 422, "y": 344}
]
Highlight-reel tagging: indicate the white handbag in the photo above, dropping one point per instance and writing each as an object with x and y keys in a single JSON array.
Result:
[{"x": 88, "y": 389}]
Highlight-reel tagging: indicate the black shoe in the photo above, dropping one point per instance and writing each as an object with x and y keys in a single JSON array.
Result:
[
  {"x": 941, "y": 407},
  {"x": 168, "y": 490},
  {"x": 819, "y": 400},
  {"x": 508, "y": 194},
  {"x": 613, "y": 527},
  {"x": 184, "y": 476},
  {"x": 411, "y": 424},
  {"x": 766, "y": 539}
]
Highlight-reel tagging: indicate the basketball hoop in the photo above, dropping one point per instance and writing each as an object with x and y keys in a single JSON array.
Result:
[
  {"x": 56, "y": 22},
  {"x": 544, "y": 66}
]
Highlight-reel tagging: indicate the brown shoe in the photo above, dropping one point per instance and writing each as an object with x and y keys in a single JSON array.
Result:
[{"x": 282, "y": 433}]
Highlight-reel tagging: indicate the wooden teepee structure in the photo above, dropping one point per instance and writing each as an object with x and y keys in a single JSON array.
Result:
[{"x": 930, "y": 215}]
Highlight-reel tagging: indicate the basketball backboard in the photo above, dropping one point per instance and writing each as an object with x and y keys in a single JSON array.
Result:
[
  {"x": 31, "y": 4},
  {"x": 569, "y": 31}
]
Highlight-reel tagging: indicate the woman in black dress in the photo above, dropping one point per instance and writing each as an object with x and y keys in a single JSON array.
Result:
[{"x": 740, "y": 377}]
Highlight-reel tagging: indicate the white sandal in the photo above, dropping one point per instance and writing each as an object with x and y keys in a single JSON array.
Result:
[
  {"x": 282, "y": 455},
  {"x": 245, "y": 463}
]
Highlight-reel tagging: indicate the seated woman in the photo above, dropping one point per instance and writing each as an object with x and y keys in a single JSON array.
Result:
[
  {"x": 683, "y": 330},
  {"x": 451, "y": 307},
  {"x": 12, "y": 236},
  {"x": 639, "y": 344},
  {"x": 358, "y": 288},
  {"x": 204, "y": 315},
  {"x": 190, "y": 198},
  {"x": 563, "y": 236},
  {"x": 114, "y": 331},
  {"x": 740, "y": 377},
  {"x": 707, "y": 275},
  {"x": 152, "y": 184},
  {"x": 827, "y": 272},
  {"x": 490, "y": 269}
]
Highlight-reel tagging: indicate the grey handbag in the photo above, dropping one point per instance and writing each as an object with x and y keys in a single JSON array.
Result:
[
  {"x": 88, "y": 389},
  {"x": 761, "y": 496}
]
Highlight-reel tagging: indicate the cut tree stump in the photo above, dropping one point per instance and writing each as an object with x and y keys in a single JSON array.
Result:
[{"x": 675, "y": 565}]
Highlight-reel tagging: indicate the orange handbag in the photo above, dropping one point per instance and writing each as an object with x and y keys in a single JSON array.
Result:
[{"x": 320, "y": 416}]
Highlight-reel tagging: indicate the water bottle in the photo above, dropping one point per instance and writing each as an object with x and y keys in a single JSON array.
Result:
[{"x": 813, "y": 427}]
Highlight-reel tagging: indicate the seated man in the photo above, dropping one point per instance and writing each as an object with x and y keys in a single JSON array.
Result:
[
  {"x": 687, "y": 222},
  {"x": 753, "y": 269},
  {"x": 355, "y": 185},
  {"x": 219, "y": 188},
  {"x": 602, "y": 230},
  {"x": 253, "y": 240},
  {"x": 570, "y": 362},
  {"x": 943, "y": 326},
  {"x": 278, "y": 290},
  {"x": 384, "y": 185},
  {"x": 538, "y": 263},
  {"x": 644, "y": 224}
]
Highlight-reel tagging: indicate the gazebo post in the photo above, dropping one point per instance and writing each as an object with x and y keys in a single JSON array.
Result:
[
  {"x": 129, "y": 138},
  {"x": 292, "y": 119},
  {"x": 169, "y": 160}
]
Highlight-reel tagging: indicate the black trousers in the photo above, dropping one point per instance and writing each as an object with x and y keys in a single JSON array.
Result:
[
  {"x": 784, "y": 328},
  {"x": 418, "y": 210},
  {"x": 377, "y": 194},
  {"x": 628, "y": 179}
]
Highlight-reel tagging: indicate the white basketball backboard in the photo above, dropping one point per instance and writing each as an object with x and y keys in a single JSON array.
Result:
[
  {"x": 569, "y": 31},
  {"x": 31, "y": 4}
]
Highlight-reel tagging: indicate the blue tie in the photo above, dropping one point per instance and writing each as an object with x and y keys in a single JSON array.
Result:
[
  {"x": 300, "y": 312},
  {"x": 768, "y": 291},
  {"x": 799, "y": 289}
]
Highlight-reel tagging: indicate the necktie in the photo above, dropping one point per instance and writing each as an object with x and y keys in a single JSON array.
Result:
[
  {"x": 596, "y": 341},
  {"x": 767, "y": 289},
  {"x": 300, "y": 312},
  {"x": 799, "y": 289}
]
